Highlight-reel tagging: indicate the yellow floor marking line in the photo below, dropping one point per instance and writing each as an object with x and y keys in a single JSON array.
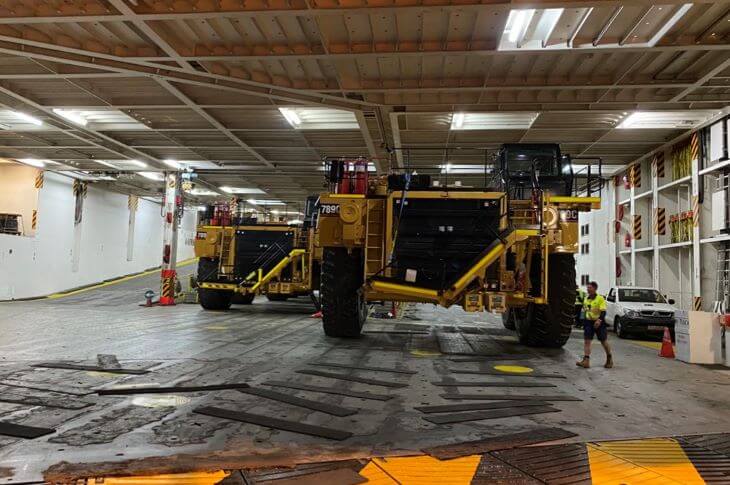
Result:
[
  {"x": 655, "y": 460},
  {"x": 425, "y": 353},
  {"x": 194, "y": 478},
  {"x": 424, "y": 470},
  {"x": 650, "y": 345},
  {"x": 55, "y": 296},
  {"x": 516, "y": 369}
]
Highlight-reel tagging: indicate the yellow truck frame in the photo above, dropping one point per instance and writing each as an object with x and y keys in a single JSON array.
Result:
[
  {"x": 357, "y": 233},
  {"x": 293, "y": 274}
]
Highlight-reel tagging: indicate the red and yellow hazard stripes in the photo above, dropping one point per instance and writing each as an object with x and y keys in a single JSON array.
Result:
[
  {"x": 637, "y": 226},
  {"x": 694, "y": 146},
  {"x": 39, "y": 179},
  {"x": 132, "y": 203},
  {"x": 658, "y": 164},
  {"x": 660, "y": 221},
  {"x": 80, "y": 188},
  {"x": 167, "y": 292},
  {"x": 697, "y": 303},
  {"x": 34, "y": 220},
  {"x": 695, "y": 211},
  {"x": 635, "y": 175}
]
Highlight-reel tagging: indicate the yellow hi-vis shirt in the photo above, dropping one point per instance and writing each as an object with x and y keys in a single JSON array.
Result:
[{"x": 594, "y": 307}]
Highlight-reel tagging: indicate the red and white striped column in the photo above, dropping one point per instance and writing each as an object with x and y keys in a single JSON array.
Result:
[{"x": 172, "y": 205}]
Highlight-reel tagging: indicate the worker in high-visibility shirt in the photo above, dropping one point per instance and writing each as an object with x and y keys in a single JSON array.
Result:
[{"x": 594, "y": 323}]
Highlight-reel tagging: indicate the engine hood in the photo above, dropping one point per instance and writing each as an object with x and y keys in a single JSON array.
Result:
[{"x": 640, "y": 305}]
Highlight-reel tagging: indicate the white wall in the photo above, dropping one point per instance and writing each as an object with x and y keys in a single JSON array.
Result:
[
  {"x": 18, "y": 194},
  {"x": 597, "y": 264},
  {"x": 42, "y": 265}
]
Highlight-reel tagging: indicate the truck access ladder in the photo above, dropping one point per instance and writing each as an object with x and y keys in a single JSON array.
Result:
[{"x": 374, "y": 255}]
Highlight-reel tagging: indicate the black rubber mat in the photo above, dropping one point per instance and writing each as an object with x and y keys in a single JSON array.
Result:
[
  {"x": 273, "y": 475},
  {"x": 494, "y": 372},
  {"x": 719, "y": 442},
  {"x": 497, "y": 397},
  {"x": 713, "y": 466},
  {"x": 169, "y": 389},
  {"x": 346, "y": 377},
  {"x": 502, "y": 442},
  {"x": 493, "y": 471},
  {"x": 49, "y": 402},
  {"x": 301, "y": 402},
  {"x": 491, "y": 414},
  {"x": 492, "y": 384},
  {"x": 328, "y": 390},
  {"x": 364, "y": 367},
  {"x": 40, "y": 386},
  {"x": 476, "y": 406},
  {"x": 22, "y": 431},
  {"x": 276, "y": 423},
  {"x": 553, "y": 464},
  {"x": 94, "y": 368}
]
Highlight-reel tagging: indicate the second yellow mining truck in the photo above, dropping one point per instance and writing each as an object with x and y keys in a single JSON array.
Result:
[
  {"x": 240, "y": 258},
  {"x": 501, "y": 241}
]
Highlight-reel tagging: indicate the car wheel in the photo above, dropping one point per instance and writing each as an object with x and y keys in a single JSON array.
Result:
[{"x": 619, "y": 328}]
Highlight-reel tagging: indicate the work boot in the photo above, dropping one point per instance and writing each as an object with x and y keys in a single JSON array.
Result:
[
  {"x": 585, "y": 363},
  {"x": 609, "y": 362}
]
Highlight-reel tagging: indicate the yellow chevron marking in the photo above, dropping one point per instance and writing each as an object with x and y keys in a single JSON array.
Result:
[{"x": 659, "y": 460}]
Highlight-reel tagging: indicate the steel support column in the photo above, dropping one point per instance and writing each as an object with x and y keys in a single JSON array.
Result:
[{"x": 171, "y": 213}]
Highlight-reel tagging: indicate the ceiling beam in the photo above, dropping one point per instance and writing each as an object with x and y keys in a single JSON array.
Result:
[
  {"x": 300, "y": 9},
  {"x": 36, "y": 50}
]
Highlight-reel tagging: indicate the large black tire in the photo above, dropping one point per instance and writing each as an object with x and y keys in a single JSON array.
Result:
[
  {"x": 551, "y": 325},
  {"x": 241, "y": 299},
  {"x": 508, "y": 319},
  {"x": 211, "y": 299},
  {"x": 344, "y": 309},
  {"x": 275, "y": 297},
  {"x": 619, "y": 328}
]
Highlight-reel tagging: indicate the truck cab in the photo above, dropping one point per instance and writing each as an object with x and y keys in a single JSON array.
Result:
[{"x": 634, "y": 310}]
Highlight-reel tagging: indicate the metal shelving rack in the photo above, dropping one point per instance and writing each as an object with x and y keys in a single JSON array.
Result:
[{"x": 675, "y": 196}]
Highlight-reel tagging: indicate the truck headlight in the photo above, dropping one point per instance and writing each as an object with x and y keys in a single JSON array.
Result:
[{"x": 632, "y": 313}]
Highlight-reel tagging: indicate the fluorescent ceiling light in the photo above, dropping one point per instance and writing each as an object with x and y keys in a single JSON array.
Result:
[
  {"x": 291, "y": 116},
  {"x": 27, "y": 118},
  {"x": 72, "y": 116},
  {"x": 457, "y": 121},
  {"x": 241, "y": 190},
  {"x": 265, "y": 202},
  {"x": 137, "y": 163},
  {"x": 34, "y": 162},
  {"x": 201, "y": 192},
  {"x": 152, "y": 176},
  {"x": 665, "y": 119},
  {"x": 517, "y": 24},
  {"x": 172, "y": 163},
  {"x": 106, "y": 164},
  {"x": 295, "y": 221},
  {"x": 496, "y": 121},
  {"x": 320, "y": 118},
  {"x": 463, "y": 169},
  {"x": 606, "y": 170}
]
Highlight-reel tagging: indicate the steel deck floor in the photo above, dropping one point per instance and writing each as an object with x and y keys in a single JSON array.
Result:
[{"x": 644, "y": 396}]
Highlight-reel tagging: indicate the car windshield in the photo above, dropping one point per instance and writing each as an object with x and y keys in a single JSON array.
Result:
[{"x": 639, "y": 295}]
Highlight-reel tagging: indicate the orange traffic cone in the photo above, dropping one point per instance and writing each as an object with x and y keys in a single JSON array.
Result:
[
  {"x": 316, "y": 315},
  {"x": 667, "y": 349}
]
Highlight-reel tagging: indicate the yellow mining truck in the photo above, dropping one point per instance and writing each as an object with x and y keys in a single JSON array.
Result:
[
  {"x": 506, "y": 246},
  {"x": 240, "y": 258}
]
